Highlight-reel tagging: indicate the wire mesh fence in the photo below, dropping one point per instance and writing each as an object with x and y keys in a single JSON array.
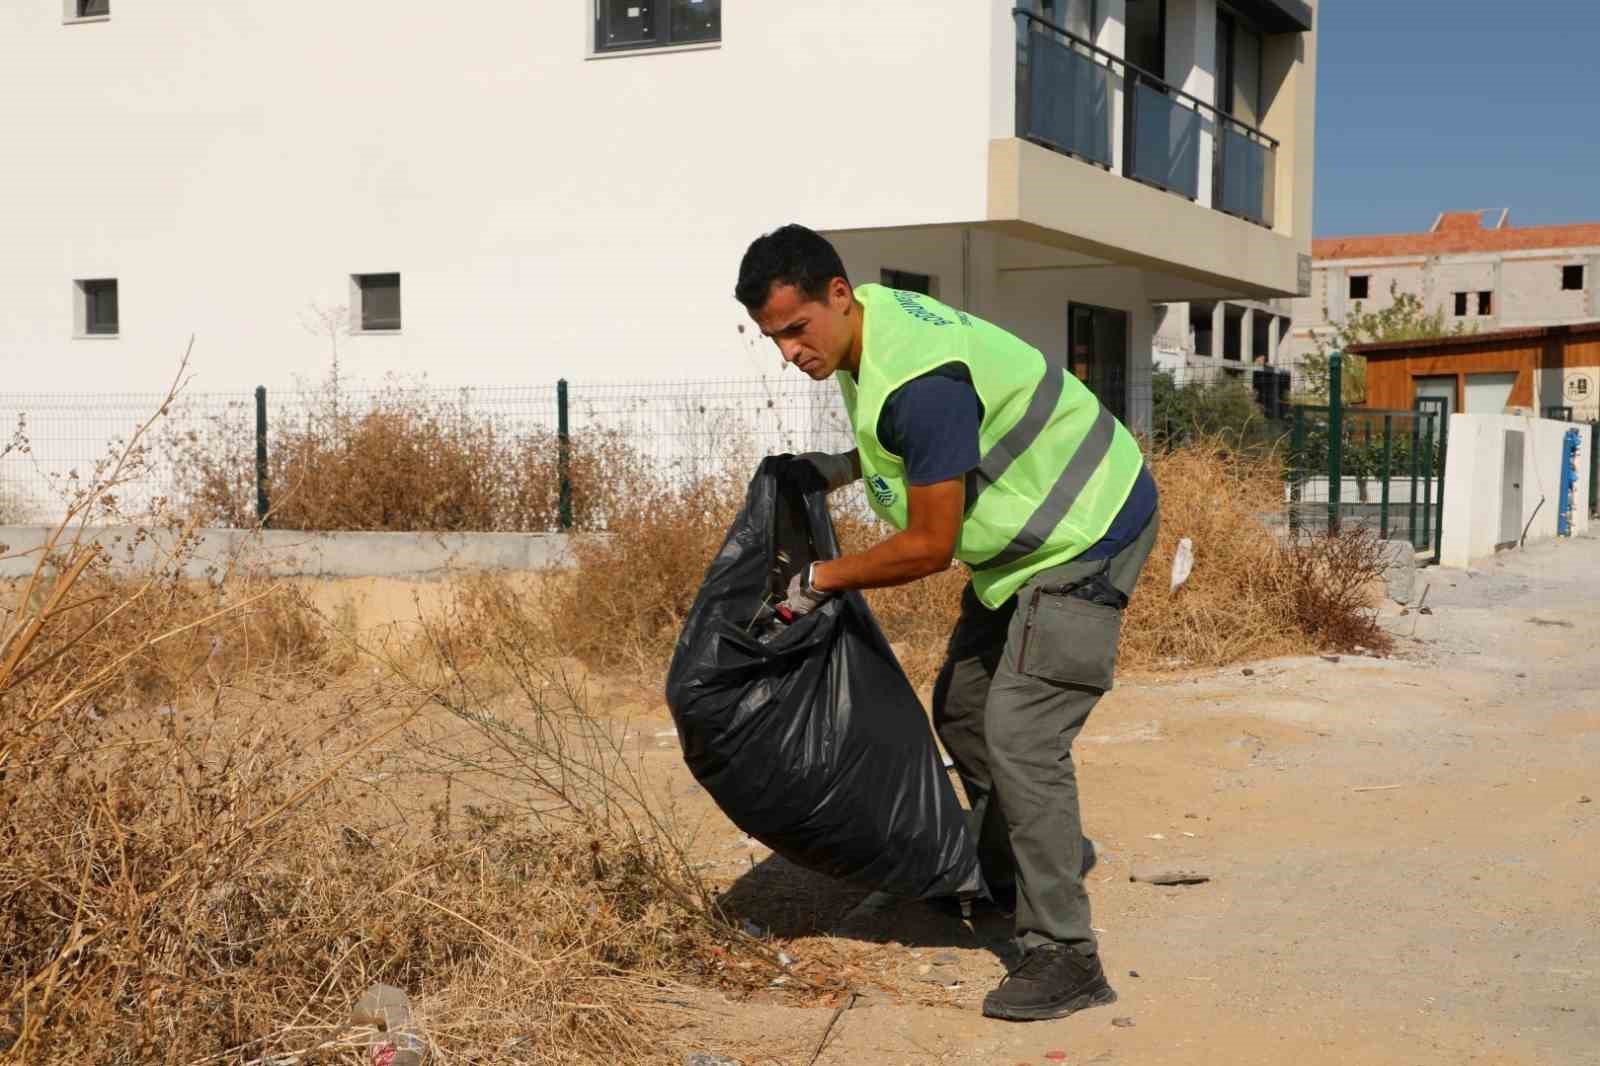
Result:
[
  {"x": 531, "y": 458},
  {"x": 490, "y": 458},
  {"x": 1246, "y": 405}
]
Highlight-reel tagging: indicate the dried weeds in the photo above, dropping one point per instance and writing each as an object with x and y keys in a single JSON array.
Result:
[{"x": 208, "y": 851}]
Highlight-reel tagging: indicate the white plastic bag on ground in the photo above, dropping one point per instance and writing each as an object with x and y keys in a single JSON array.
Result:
[{"x": 1182, "y": 563}]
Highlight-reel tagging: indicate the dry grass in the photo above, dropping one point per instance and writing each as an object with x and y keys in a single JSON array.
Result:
[
  {"x": 1251, "y": 596},
  {"x": 207, "y": 853},
  {"x": 405, "y": 458}
]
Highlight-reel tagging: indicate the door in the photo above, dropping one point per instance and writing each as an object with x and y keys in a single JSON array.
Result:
[
  {"x": 1437, "y": 388},
  {"x": 1488, "y": 394},
  {"x": 1097, "y": 347},
  {"x": 1511, "y": 491}
]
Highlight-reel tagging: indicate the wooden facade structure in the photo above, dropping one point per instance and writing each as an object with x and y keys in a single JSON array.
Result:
[{"x": 1556, "y": 368}]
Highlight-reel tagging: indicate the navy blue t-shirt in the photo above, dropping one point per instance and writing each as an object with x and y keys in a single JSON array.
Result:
[{"x": 932, "y": 423}]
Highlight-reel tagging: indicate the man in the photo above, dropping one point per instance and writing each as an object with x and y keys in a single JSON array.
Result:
[{"x": 974, "y": 446}]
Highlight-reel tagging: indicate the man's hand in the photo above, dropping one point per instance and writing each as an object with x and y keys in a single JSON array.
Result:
[
  {"x": 836, "y": 470},
  {"x": 802, "y": 598}
]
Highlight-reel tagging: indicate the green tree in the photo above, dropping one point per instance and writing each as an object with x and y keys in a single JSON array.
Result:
[{"x": 1404, "y": 319}]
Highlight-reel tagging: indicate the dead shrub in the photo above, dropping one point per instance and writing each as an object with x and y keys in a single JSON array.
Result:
[
  {"x": 1328, "y": 582},
  {"x": 1252, "y": 594},
  {"x": 1231, "y": 608},
  {"x": 217, "y": 879},
  {"x": 404, "y": 458}
]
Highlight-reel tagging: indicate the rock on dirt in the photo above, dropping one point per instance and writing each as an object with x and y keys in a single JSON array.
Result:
[
  {"x": 1166, "y": 875},
  {"x": 703, "y": 1058},
  {"x": 1399, "y": 569},
  {"x": 1122, "y": 1023}
]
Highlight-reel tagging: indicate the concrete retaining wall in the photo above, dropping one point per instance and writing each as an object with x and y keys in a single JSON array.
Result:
[
  {"x": 289, "y": 553},
  {"x": 1477, "y": 484}
]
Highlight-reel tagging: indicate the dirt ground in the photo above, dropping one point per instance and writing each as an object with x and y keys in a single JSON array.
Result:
[{"x": 1402, "y": 859}]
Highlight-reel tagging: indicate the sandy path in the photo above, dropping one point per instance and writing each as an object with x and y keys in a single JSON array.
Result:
[{"x": 1452, "y": 919}]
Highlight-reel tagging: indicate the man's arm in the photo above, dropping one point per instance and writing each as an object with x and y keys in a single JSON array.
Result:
[{"x": 926, "y": 546}]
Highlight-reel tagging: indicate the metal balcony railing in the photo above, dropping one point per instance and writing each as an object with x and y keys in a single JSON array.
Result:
[{"x": 1065, "y": 92}]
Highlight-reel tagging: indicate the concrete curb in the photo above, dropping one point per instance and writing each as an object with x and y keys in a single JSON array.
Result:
[{"x": 292, "y": 553}]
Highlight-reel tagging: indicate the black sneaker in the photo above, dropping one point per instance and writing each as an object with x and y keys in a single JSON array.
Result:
[{"x": 1051, "y": 981}]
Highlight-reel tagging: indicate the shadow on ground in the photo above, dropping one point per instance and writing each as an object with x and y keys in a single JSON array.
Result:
[{"x": 792, "y": 903}]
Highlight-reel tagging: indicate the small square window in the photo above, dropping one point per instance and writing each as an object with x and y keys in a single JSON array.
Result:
[
  {"x": 908, "y": 281},
  {"x": 622, "y": 24},
  {"x": 89, "y": 9},
  {"x": 1461, "y": 305},
  {"x": 1485, "y": 303},
  {"x": 379, "y": 302},
  {"x": 1572, "y": 278},
  {"x": 97, "y": 307},
  {"x": 1359, "y": 286}
]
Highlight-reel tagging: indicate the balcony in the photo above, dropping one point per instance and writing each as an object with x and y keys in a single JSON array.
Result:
[{"x": 1070, "y": 93}]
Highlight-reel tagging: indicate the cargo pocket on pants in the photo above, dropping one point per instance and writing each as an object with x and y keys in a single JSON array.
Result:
[{"x": 1069, "y": 640}]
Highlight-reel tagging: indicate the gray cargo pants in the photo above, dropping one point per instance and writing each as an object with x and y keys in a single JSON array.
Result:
[{"x": 1016, "y": 687}]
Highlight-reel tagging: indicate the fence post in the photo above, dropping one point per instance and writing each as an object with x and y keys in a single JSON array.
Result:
[
  {"x": 1427, "y": 481},
  {"x": 1297, "y": 458},
  {"x": 1594, "y": 469},
  {"x": 1388, "y": 458},
  {"x": 564, "y": 454},
  {"x": 1416, "y": 457},
  {"x": 262, "y": 506},
  {"x": 1335, "y": 437},
  {"x": 1444, "y": 444}
]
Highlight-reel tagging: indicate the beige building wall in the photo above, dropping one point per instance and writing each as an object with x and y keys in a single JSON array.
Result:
[{"x": 1525, "y": 289}]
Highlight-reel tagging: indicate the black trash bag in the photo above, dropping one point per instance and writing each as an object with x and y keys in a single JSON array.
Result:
[{"x": 809, "y": 736}]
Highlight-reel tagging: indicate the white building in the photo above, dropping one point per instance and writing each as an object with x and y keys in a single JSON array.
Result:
[{"x": 522, "y": 191}]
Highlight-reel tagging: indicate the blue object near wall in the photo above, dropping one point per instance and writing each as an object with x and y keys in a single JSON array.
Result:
[{"x": 1569, "y": 481}]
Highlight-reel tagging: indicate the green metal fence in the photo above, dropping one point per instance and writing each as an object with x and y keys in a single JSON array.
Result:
[{"x": 1361, "y": 466}]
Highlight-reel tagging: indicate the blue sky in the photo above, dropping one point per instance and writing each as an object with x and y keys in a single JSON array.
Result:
[{"x": 1430, "y": 105}]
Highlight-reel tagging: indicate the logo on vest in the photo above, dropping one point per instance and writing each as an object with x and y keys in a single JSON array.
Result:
[
  {"x": 912, "y": 306},
  {"x": 880, "y": 490}
]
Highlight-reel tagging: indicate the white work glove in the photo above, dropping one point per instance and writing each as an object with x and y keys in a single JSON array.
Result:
[
  {"x": 836, "y": 470},
  {"x": 803, "y": 597}
]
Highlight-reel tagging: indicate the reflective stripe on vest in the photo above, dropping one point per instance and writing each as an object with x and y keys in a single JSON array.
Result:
[{"x": 1064, "y": 493}]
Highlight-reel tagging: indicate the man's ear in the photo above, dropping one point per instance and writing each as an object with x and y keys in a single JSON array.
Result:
[{"x": 840, "y": 294}]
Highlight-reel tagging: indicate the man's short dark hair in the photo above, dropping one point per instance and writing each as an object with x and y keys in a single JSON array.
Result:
[{"x": 789, "y": 255}]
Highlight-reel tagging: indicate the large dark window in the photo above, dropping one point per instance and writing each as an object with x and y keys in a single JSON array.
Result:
[
  {"x": 621, "y": 24},
  {"x": 907, "y": 281},
  {"x": 1146, "y": 46},
  {"x": 1097, "y": 353},
  {"x": 380, "y": 301},
  {"x": 1360, "y": 286},
  {"x": 1239, "y": 47},
  {"x": 1572, "y": 278},
  {"x": 93, "y": 8},
  {"x": 100, "y": 316}
]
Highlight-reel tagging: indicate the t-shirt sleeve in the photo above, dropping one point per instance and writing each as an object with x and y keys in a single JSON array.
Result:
[{"x": 933, "y": 424}]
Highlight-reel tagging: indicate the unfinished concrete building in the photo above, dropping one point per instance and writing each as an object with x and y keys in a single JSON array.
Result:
[{"x": 1483, "y": 272}]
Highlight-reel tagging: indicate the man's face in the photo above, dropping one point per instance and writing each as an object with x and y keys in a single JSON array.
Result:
[{"x": 814, "y": 335}]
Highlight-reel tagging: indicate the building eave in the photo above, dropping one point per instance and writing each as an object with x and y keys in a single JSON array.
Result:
[{"x": 1467, "y": 340}]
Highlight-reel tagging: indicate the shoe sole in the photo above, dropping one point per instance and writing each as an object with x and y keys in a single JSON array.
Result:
[{"x": 1098, "y": 997}]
